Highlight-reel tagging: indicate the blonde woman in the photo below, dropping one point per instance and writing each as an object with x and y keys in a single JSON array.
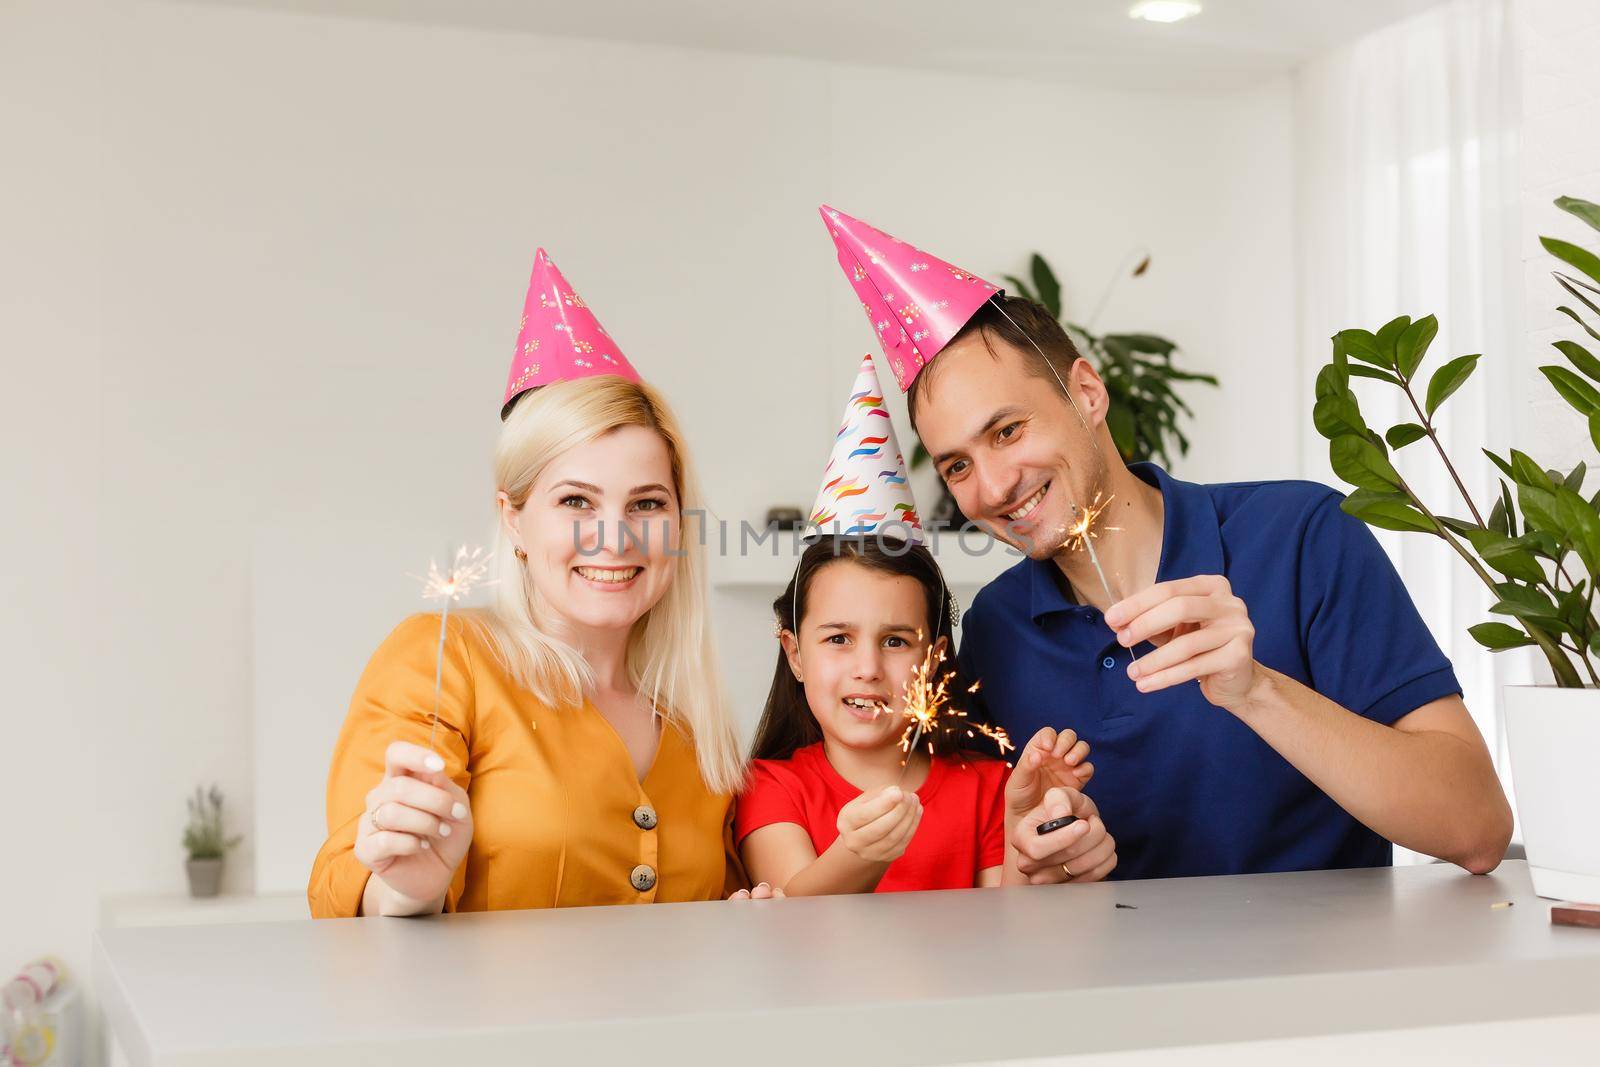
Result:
[{"x": 584, "y": 752}]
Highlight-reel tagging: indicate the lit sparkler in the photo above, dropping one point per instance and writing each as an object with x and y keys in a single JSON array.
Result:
[
  {"x": 468, "y": 569},
  {"x": 1081, "y": 534},
  {"x": 927, "y": 708}
]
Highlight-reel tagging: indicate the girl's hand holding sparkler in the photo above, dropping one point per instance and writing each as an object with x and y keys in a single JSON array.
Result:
[
  {"x": 876, "y": 827},
  {"x": 413, "y": 834},
  {"x": 1204, "y": 632}
]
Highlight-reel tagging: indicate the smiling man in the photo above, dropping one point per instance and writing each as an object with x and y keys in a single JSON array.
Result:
[{"x": 1263, "y": 696}]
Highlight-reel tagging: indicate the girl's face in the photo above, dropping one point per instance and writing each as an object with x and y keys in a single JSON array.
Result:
[
  {"x": 864, "y": 633},
  {"x": 600, "y": 527}
]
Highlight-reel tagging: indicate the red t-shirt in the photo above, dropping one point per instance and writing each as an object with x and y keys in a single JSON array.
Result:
[{"x": 963, "y": 815}]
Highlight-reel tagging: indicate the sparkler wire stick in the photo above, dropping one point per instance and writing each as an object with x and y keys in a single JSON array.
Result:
[{"x": 467, "y": 570}]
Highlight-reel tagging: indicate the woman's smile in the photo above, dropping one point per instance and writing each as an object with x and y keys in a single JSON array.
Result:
[{"x": 608, "y": 579}]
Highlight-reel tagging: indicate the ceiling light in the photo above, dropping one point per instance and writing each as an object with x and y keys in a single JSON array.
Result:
[{"x": 1164, "y": 10}]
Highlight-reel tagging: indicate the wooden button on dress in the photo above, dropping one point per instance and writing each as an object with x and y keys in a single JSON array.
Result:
[
  {"x": 643, "y": 878},
  {"x": 644, "y": 817}
]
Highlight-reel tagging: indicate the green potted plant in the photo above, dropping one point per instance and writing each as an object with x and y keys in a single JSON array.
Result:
[
  {"x": 1137, "y": 368},
  {"x": 206, "y": 842},
  {"x": 1537, "y": 550}
]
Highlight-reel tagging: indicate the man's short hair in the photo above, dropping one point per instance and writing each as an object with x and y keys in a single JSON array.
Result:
[{"x": 1022, "y": 324}]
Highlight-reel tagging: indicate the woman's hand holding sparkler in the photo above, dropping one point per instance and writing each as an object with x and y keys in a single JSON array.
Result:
[
  {"x": 876, "y": 827},
  {"x": 1047, "y": 785},
  {"x": 413, "y": 834},
  {"x": 1204, "y": 632}
]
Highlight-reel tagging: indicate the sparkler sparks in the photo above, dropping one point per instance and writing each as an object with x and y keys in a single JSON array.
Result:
[
  {"x": 468, "y": 569},
  {"x": 1081, "y": 534},
  {"x": 927, "y": 708}
]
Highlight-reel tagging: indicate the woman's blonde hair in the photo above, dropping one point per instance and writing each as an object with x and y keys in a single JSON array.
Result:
[{"x": 671, "y": 654}]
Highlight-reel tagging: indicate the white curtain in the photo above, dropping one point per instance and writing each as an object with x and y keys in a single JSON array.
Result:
[{"x": 1407, "y": 203}]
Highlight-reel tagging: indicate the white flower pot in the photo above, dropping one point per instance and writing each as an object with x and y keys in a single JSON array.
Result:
[{"x": 1554, "y": 735}]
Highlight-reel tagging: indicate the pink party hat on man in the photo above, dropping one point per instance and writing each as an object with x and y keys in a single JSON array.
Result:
[
  {"x": 560, "y": 338},
  {"x": 865, "y": 489},
  {"x": 915, "y": 302}
]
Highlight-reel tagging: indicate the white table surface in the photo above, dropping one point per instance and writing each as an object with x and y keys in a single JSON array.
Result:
[{"x": 899, "y": 978}]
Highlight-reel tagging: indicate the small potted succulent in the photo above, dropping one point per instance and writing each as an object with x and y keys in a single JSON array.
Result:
[
  {"x": 1536, "y": 549},
  {"x": 206, "y": 842}
]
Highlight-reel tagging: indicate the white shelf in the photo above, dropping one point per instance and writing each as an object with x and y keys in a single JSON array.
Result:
[{"x": 968, "y": 562}]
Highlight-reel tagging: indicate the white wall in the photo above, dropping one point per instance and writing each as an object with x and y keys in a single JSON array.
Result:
[
  {"x": 57, "y": 835},
  {"x": 268, "y": 275},
  {"x": 1559, "y": 41}
]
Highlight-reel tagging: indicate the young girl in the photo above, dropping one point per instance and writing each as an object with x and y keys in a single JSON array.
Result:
[{"x": 833, "y": 804}]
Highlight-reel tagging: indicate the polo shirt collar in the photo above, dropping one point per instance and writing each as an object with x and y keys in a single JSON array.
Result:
[{"x": 1191, "y": 543}]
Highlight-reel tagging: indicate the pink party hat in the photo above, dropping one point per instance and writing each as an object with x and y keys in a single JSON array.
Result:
[
  {"x": 559, "y": 338},
  {"x": 915, "y": 302},
  {"x": 864, "y": 487}
]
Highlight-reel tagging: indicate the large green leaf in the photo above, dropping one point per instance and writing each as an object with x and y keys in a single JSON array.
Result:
[
  {"x": 1390, "y": 511},
  {"x": 1497, "y": 636},
  {"x": 1573, "y": 389},
  {"x": 1448, "y": 378},
  {"x": 1512, "y": 558},
  {"x": 1046, "y": 285},
  {"x": 1580, "y": 356},
  {"x": 1404, "y": 434},
  {"x": 1581, "y": 258},
  {"x": 1359, "y": 344},
  {"x": 1539, "y": 509},
  {"x": 1530, "y": 605},
  {"x": 1361, "y": 463},
  {"x": 1582, "y": 209},
  {"x": 1332, "y": 379},
  {"x": 1373, "y": 372},
  {"x": 1390, "y": 333},
  {"x": 1336, "y": 414},
  {"x": 1594, "y": 428},
  {"x": 1413, "y": 344},
  {"x": 1581, "y": 525},
  {"x": 1524, "y": 471}
]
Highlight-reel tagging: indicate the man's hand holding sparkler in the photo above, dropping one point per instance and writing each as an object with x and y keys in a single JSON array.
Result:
[
  {"x": 1047, "y": 785},
  {"x": 1204, "y": 632},
  {"x": 413, "y": 834}
]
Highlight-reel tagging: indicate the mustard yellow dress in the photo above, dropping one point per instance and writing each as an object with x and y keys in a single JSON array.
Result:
[{"x": 561, "y": 819}]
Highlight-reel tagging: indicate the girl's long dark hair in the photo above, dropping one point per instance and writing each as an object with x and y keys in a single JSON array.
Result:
[{"x": 787, "y": 723}]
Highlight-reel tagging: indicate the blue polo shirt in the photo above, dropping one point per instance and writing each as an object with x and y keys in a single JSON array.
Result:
[{"x": 1183, "y": 786}]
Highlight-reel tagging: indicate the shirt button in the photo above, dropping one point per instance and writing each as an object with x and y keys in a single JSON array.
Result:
[
  {"x": 643, "y": 878},
  {"x": 1108, "y": 662},
  {"x": 644, "y": 817}
]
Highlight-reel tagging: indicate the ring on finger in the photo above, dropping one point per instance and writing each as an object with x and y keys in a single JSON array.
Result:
[
  {"x": 377, "y": 826},
  {"x": 1070, "y": 875}
]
